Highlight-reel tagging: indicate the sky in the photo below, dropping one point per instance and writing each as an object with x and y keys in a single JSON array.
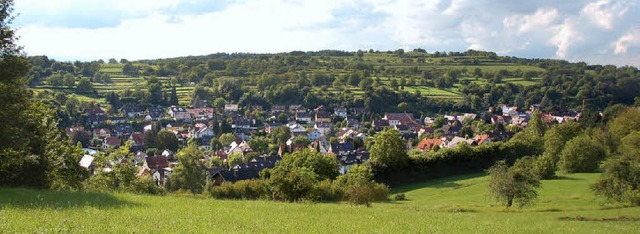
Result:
[{"x": 594, "y": 31}]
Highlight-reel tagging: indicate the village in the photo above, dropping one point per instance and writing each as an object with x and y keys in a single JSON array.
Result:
[{"x": 340, "y": 132}]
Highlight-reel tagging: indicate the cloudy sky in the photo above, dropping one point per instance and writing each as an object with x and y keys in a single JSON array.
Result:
[{"x": 595, "y": 31}]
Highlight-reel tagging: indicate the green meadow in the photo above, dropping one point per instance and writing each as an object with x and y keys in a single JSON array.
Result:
[{"x": 451, "y": 205}]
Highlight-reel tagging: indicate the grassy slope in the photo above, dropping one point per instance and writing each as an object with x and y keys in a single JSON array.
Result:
[{"x": 452, "y": 205}]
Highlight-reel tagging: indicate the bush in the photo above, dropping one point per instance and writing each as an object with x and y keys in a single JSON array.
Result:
[
  {"x": 326, "y": 191},
  {"x": 620, "y": 180},
  {"x": 293, "y": 185},
  {"x": 145, "y": 185},
  {"x": 244, "y": 189},
  {"x": 399, "y": 197},
  {"x": 581, "y": 154}
]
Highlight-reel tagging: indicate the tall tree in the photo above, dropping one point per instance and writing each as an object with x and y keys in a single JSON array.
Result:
[
  {"x": 167, "y": 140},
  {"x": 388, "y": 149},
  {"x": 190, "y": 173},
  {"x": 33, "y": 151}
]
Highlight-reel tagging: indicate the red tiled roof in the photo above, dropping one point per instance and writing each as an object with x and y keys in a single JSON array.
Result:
[{"x": 427, "y": 143}]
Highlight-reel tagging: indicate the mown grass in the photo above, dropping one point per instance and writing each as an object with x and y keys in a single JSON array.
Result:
[{"x": 453, "y": 205}]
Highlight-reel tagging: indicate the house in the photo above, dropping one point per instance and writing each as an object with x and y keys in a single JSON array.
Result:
[
  {"x": 353, "y": 123},
  {"x": 201, "y": 113},
  {"x": 231, "y": 107},
  {"x": 380, "y": 124},
  {"x": 452, "y": 129},
  {"x": 313, "y": 134},
  {"x": 303, "y": 117},
  {"x": 456, "y": 141},
  {"x": 179, "y": 113},
  {"x": 242, "y": 148},
  {"x": 297, "y": 108},
  {"x": 323, "y": 116},
  {"x": 350, "y": 159},
  {"x": 402, "y": 119},
  {"x": 205, "y": 142},
  {"x": 481, "y": 139},
  {"x": 156, "y": 162},
  {"x": 112, "y": 141},
  {"x": 244, "y": 171},
  {"x": 341, "y": 148},
  {"x": 341, "y": 111},
  {"x": 427, "y": 144},
  {"x": 137, "y": 138},
  {"x": 240, "y": 123},
  {"x": 323, "y": 127},
  {"x": 131, "y": 111},
  {"x": 268, "y": 127},
  {"x": 203, "y": 132},
  {"x": 140, "y": 157},
  {"x": 256, "y": 107},
  {"x": 153, "y": 116},
  {"x": 276, "y": 109},
  {"x": 403, "y": 129},
  {"x": 297, "y": 129}
]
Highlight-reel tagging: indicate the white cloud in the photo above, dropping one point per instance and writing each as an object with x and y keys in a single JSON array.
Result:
[
  {"x": 604, "y": 13},
  {"x": 631, "y": 39}
]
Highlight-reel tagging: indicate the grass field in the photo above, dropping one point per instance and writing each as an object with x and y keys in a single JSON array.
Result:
[{"x": 452, "y": 205}]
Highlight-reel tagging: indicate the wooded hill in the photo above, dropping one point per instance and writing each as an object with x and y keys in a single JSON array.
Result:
[{"x": 414, "y": 81}]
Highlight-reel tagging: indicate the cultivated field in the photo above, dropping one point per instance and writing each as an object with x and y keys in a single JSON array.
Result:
[{"x": 452, "y": 205}]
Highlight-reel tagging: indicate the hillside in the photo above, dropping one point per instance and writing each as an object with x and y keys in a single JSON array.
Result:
[
  {"x": 413, "y": 71},
  {"x": 451, "y": 205}
]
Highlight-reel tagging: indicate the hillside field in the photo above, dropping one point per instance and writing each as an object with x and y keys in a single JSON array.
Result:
[
  {"x": 453, "y": 205},
  {"x": 122, "y": 82}
]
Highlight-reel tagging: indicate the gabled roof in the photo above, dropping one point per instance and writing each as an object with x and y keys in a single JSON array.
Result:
[
  {"x": 157, "y": 162},
  {"x": 112, "y": 141},
  {"x": 138, "y": 138},
  {"x": 427, "y": 144}
]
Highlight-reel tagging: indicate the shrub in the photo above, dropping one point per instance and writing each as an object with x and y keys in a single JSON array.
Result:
[
  {"x": 581, "y": 154},
  {"x": 399, "y": 197},
  {"x": 325, "y": 191},
  {"x": 145, "y": 185}
]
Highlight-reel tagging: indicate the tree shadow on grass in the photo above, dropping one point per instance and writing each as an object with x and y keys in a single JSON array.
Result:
[
  {"x": 22, "y": 198},
  {"x": 448, "y": 182}
]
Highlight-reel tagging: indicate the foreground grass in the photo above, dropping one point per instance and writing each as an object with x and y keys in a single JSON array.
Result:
[{"x": 452, "y": 205}]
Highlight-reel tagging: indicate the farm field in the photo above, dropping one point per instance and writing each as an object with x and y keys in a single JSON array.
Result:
[{"x": 452, "y": 205}]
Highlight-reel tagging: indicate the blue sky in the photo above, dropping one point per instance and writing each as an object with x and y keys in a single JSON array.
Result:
[{"x": 595, "y": 31}]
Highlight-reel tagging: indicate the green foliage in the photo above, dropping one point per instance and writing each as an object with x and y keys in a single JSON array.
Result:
[
  {"x": 389, "y": 149},
  {"x": 84, "y": 86},
  {"x": 324, "y": 167},
  {"x": 517, "y": 184},
  {"x": 235, "y": 159},
  {"x": 555, "y": 140},
  {"x": 259, "y": 144},
  {"x": 167, "y": 140},
  {"x": 292, "y": 185},
  {"x": 581, "y": 154},
  {"x": 227, "y": 138},
  {"x": 216, "y": 144},
  {"x": 189, "y": 174},
  {"x": 620, "y": 180},
  {"x": 360, "y": 188}
]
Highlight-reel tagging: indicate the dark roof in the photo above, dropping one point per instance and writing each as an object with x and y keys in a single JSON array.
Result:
[
  {"x": 245, "y": 171},
  {"x": 157, "y": 162},
  {"x": 341, "y": 147},
  {"x": 353, "y": 158},
  {"x": 323, "y": 114}
]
